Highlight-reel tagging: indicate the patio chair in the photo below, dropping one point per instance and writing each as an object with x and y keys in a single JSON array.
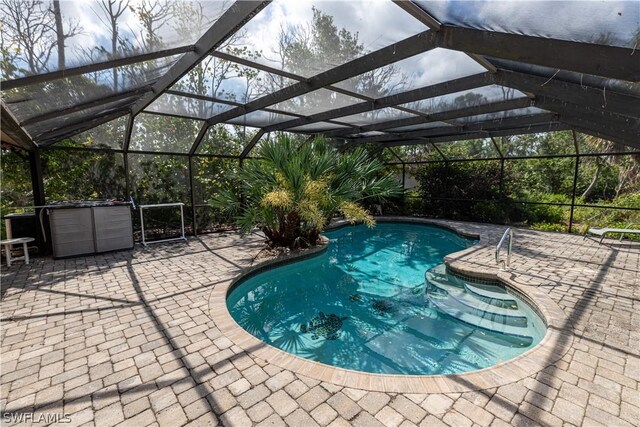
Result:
[{"x": 602, "y": 232}]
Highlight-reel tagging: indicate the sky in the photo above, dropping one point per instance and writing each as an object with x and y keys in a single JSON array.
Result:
[{"x": 582, "y": 21}]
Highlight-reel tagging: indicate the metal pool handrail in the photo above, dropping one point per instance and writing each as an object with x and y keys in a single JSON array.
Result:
[{"x": 505, "y": 265}]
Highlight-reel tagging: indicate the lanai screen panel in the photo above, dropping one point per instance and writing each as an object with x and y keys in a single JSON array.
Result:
[
  {"x": 464, "y": 99},
  {"x": 469, "y": 149},
  {"x": 421, "y": 126},
  {"x": 501, "y": 115},
  {"x": 44, "y": 129},
  {"x": 414, "y": 153},
  {"x": 261, "y": 119},
  {"x": 230, "y": 81},
  {"x": 226, "y": 140},
  {"x": 155, "y": 132},
  {"x": 375, "y": 116},
  {"x": 293, "y": 21},
  {"x": 91, "y": 38},
  {"x": 318, "y": 127},
  {"x": 29, "y": 102},
  {"x": 318, "y": 101},
  {"x": 287, "y": 43},
  {"x": 425, "y": 69},
  {"x": 186, "y": 106},
  {"x": 529, "y": 145},
  {"x": 107, "y": 135}
]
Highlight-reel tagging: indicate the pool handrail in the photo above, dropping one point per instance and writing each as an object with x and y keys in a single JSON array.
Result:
[{"x": 505, "y": 265}]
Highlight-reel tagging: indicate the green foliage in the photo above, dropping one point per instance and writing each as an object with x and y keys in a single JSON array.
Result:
[
  {"x": 588, "y": 217},
  {"x": 532, "y": 188},
  {"x": 211, "y": 176},
  {"x": 81, "y": 175},
  {"x": 540, "y": 213},
  {"x": 15, "y": 190},
  {"x": 535, "y": 144},
  {"x": 447, "y": 188},
  {"x": 160, "y": 179},
  {"x": 531, "y": 177},
  {"x": 296, "y": 187},
  {"x": 546, "y": 226}
]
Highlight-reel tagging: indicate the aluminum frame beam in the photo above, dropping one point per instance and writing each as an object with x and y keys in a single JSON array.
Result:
[
  {"x": 585, "y": 126},
  {"x": 420, "y": 14},
  {"x": 85, "y": 105},
  {"x": 431, "y": 22},
  {"x": 589, "y": 126},
  {"x": 201, "y": 134},
  {"x": 452, "y": 86},
  {"x": 487, "y": 133},
  {"x": 510, "y": 122},
  {"x": 493, "y": 107},
  {"x": 607, "y": 61},
  {"x": 92, "y": 68},
  {"x": 404, "y": 49},
  {"x": 589, "y": 96},
  {"x": 251, "y": 144},
  {"x": 617, "y": 128},
  {"x": 18, "y": 135},
  {"x": 81, "y": 126},
  {"x": 580, "y": 79}
]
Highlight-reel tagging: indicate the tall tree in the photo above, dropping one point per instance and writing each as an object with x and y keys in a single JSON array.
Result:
[
  {"x": 113, "y": 10},
  {"x": 627, "y": 167},
  {"x": 32, "y": 32},
  {"x": 29, "y": 25},
  {"x": 311, "y": 49},
  {"x": 153, "y": 15},
  {"x": 57, "y": 14}
]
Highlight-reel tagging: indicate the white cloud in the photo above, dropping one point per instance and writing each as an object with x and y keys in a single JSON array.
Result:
[{"x": 584, "y": 21}]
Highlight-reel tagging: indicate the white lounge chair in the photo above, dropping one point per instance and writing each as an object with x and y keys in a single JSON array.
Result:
[{"x": 604, "y": 231}]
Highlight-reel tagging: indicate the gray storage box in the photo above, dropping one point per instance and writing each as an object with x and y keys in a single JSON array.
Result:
[
  {"x": 112, "y": 227},
  {"x": 71, "y": 232},
  {"x": 90, "y": 229}
]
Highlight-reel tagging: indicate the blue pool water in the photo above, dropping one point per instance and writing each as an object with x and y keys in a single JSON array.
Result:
[{"x": 364, "y": 305}]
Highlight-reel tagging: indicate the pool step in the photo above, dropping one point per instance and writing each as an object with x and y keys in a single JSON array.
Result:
[
  {"x": 487, "y": 324},
  {"x": 462, "y": 300},
  {"x": 488, "y": 307},
  {"x": 492, "y": 294}
]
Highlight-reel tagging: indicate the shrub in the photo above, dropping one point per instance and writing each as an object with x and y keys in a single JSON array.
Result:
[
  {"x": 545, "y": 226},
  {"x": 296, "y": 189}
]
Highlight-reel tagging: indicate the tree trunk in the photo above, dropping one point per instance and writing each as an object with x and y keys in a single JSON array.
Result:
[
  {"x": 594, "y": 180},
  {"x": 114, "y": 49},
  {"x": 59, "y": 33}
]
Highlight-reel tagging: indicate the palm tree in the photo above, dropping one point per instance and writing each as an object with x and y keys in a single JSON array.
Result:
[{"x": 294, "y": 190}]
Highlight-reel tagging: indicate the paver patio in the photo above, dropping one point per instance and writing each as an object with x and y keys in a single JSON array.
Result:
[{"x": 127, "y": 338}]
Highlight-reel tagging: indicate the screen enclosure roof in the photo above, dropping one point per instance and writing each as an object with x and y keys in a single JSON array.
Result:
[{"x": 146, "y": 76}]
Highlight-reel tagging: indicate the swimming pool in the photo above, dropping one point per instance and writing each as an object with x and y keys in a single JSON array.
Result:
[{"x": 364, "y": 304}]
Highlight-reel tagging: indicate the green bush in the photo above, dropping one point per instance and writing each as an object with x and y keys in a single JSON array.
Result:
[
  {"x": 462, "y": 190},
  {"x": 545, "y": 226},
  {"x": 549, "y": 214}
]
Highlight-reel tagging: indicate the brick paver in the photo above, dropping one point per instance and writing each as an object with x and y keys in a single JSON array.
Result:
[{"x": 126, "y": 338}]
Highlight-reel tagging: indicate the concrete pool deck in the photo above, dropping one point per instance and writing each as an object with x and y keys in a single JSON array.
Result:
[{"x": 128, "y": 338}]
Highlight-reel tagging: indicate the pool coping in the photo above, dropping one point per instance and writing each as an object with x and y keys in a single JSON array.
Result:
[{"x": 554, "y": 345}]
